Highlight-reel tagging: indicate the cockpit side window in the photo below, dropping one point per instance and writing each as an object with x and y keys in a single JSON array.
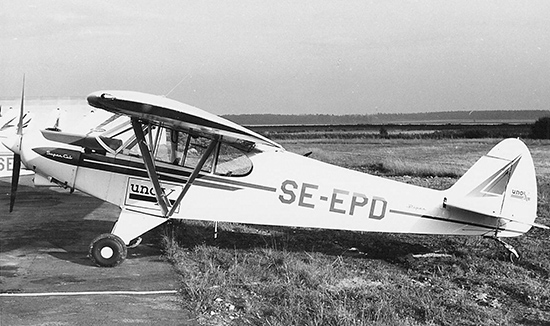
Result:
[
  {"x": 181, "y": 149},
  {"x": 194, "y": 149},
  {"x": 187, "y": 150}
]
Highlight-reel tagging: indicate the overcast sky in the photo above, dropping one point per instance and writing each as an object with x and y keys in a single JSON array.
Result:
[{"x": 300, "y": 56}]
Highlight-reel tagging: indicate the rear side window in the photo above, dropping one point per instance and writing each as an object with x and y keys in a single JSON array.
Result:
[{"x": 232, "y": 162}]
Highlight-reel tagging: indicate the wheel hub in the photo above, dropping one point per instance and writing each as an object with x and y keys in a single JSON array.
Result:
[{"x": 107, "y": 252}]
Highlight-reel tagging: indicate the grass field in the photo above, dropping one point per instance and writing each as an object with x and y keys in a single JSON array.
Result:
[{"x": 253, "y": 275}]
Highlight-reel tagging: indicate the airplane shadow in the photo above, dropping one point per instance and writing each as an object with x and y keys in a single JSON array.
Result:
[
  {"x": 58, "y": 223},
  {"x": 75, "y": 239},
  {"x": 70, "y": 241},
  {"x": 393, "y": 248},
  {"x": 388, "y": 247}
]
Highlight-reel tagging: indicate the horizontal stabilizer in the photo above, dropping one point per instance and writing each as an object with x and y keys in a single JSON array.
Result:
[{"x": 541, "y": 226}]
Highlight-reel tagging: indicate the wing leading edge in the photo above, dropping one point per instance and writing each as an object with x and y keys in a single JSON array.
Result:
[{"x": 158, "y": 109}]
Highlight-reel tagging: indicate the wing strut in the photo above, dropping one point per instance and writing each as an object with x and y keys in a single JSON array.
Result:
[
  {"x": 150, "y": 166},
  {"x": 167, "y": 209},
  {"x": 195, "y": 173}
]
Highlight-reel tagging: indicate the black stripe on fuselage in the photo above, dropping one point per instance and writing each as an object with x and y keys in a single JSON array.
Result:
[
  {"x": 147, "y": 198},
  {"x": 137, "y": 169},
  {"x": 163, "y": 170}
]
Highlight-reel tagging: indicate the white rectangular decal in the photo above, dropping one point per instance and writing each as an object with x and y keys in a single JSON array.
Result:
[{"x": 141, "y": 193}]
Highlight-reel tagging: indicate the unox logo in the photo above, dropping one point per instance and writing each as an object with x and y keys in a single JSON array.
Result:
[
  {"x": 521, "y": 194},
  {"x": 141, "y": 193}
]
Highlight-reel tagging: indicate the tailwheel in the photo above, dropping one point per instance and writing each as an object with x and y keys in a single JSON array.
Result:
[
  {"x": 514, "y": 257},
  {"x": 513, "y": 254},
  {"x": 107, "y": 250}
]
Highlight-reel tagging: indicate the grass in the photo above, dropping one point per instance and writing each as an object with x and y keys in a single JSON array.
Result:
[
  {"x": 398, "y": 167},
  {"x": 256, "y": 275}
]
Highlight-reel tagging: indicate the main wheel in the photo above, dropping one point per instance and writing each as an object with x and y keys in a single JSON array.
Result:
[{"x": 107, "y": 250}]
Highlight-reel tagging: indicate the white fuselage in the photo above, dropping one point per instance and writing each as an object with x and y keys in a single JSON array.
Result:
[{"x": 282, "y": 189}]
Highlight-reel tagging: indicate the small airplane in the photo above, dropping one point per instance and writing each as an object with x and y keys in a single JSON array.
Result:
[
  {"x": 9, "y": 121},
  {"x": 46, "y": 117},
  {"x": 159, "y": 159}
]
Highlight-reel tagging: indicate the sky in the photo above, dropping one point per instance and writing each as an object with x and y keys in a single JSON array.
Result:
[{"x": 287, "y": 57}]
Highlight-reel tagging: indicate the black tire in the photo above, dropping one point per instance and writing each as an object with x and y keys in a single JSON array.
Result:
[
  {"x": 514, "y": 258},
  {"x": 107, "y": 250}
]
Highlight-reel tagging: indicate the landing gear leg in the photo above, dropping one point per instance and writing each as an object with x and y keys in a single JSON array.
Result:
[
  {"x": 513, "y": 254},
  {"x": 107, "y": 250}
]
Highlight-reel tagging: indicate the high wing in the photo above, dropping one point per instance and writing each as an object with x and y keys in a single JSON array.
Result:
[
  {"x": 146, "y": 111},
  {"x": 161, "y": 110}
]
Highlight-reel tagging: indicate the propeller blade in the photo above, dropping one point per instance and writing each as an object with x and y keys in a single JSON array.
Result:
[
  {"x": 20, "y": 124},
  {"x": 17, "y": 156},
  {"x": 14, "y": 179}
]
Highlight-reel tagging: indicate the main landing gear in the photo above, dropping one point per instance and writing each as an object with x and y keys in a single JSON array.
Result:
[
  {"x": 107, "y": 250},
  {"x": 513, "y": 254}
]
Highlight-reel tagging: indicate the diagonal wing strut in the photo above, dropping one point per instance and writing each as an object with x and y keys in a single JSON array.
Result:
[
  {"x": 166, "y": 208},
  {"x": 194, "y": 175}
]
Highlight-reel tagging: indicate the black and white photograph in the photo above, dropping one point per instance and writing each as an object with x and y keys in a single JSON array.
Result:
[{"x": 259, "y": 162}]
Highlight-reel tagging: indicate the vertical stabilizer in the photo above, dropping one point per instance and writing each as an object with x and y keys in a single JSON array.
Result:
[{"x": 501, "y": 184}]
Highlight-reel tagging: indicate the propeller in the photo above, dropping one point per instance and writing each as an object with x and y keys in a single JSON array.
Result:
[
  {"x": 16, "y": 148},
  {"x": 15, "y": 179}
]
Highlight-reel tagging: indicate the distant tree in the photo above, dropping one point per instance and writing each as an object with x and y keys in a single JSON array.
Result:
[
  {"x": 541, "y": 128},
  {"x": 384, "y": 132},
  {"x": 473, "y": 133}
]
